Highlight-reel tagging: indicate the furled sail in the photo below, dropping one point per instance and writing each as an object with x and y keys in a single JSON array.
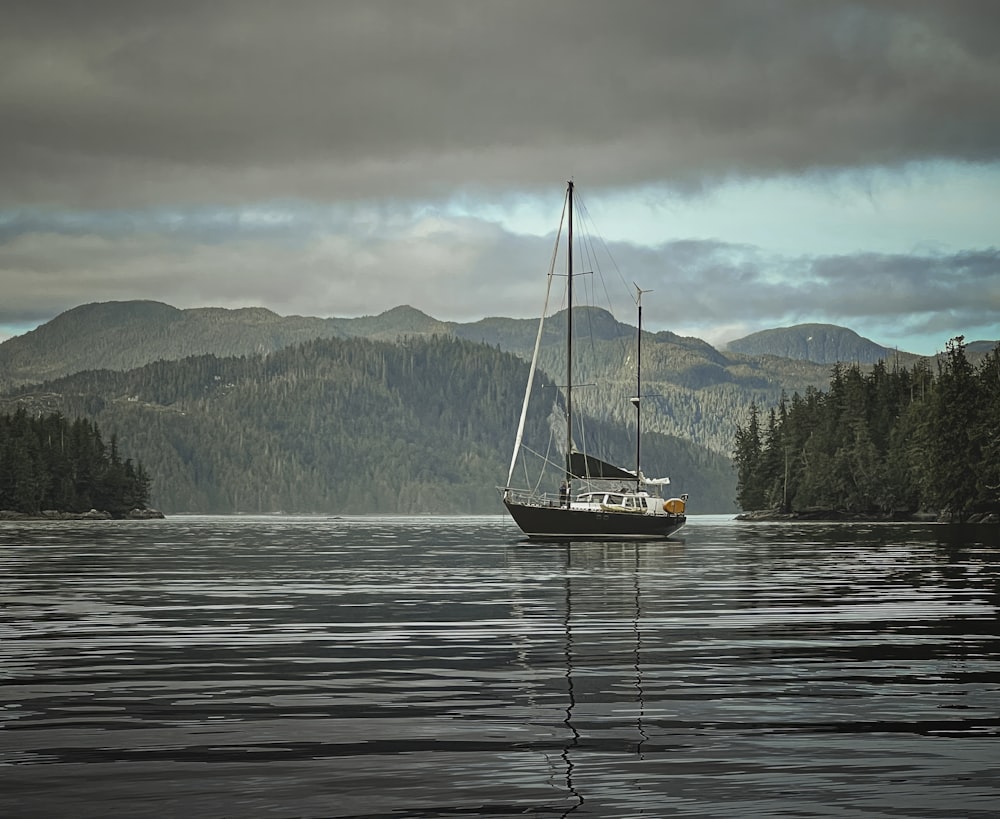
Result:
[{"x": 588, "y": 467}]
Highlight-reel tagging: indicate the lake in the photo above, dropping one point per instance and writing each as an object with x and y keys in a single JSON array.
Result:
[{"x": 441, "y": 667}]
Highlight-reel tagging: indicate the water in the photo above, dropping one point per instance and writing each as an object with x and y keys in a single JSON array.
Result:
[{"x": 437, "y": 667}]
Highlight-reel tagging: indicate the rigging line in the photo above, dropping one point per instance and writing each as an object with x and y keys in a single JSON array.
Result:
[
  {"x": 545, "y": 459},
  {"x": 595, "y": 241},
  {"x": 546, "y": 462},
  {"x": 591, "y": 234},
  {"x": 596, "y": 233},
  {"x": 538, "y": 344}
]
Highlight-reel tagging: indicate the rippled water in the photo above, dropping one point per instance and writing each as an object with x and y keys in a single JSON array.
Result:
[{"x": 432, "y": 667}]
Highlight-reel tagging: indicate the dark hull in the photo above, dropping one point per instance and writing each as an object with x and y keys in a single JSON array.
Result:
[{"x": 560, "y": 523}]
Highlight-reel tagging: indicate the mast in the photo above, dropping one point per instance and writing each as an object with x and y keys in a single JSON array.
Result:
[
  {"x": 638, "y": 387},
  {"x": 569, "y": 336},
  {"x": 638, "y": 384}
]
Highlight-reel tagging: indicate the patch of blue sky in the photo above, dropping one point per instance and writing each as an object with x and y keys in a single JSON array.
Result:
[
  {"x": 923, "y": 207},
  {"x": 18, "y": 329}
]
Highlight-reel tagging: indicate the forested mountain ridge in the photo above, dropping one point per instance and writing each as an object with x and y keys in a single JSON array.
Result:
[
  {"x": 822, "y": 343},
  {"x": 695, "y": 391},
  {"x": 701, "y": 392},
  {"x": 124, "y": 335},
  {"x": 830, "y": 344},
  {"x": 341, "y": 426}
]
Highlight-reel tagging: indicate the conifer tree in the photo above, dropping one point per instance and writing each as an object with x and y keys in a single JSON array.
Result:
[{"x": 48, "y": 463}]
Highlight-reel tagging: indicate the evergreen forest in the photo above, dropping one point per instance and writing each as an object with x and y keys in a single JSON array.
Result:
[
  {"x": 888, "y": 442},
  {"x": 49, "y": 463},
  {"x": 344, "y": 426}
]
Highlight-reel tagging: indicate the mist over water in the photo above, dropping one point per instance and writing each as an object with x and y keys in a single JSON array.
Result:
[{"x": 432, "y": 667}]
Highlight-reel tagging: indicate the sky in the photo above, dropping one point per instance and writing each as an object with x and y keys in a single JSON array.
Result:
[{"x": 754, "y": 164}]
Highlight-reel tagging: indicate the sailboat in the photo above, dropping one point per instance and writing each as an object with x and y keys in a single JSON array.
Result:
[{"x": 597, "y": 500}]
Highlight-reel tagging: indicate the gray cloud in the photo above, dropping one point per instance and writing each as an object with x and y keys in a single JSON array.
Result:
[
  {"x": 307, "y": 156},
  {"x": 345, "y": 263},
  {"x": 131, "y": 103}
]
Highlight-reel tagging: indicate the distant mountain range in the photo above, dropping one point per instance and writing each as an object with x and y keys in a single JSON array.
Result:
[
  {"x": 829, "y": 343},
  {"x": 121, "y": 335},
  {"x": 695, "y": 393},
  {"x": 822, "y": 343},
  {"x": 127, "y": 334},
  {"x": 702, "y": 392}
]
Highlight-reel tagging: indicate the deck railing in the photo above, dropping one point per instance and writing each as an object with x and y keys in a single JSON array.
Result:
[{"x": 529, "y": 497}]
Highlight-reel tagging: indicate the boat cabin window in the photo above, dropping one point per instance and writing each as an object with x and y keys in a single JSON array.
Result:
[{"x": 616, "y": 500}]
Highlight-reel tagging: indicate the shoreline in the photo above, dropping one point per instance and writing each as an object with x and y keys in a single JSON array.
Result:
[
  {"x": 93, "y": 514},
  {"x": 837, "y": 515}
]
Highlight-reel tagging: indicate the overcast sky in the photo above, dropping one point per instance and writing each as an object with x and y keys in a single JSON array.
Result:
[{"x": 756, "y": 163}]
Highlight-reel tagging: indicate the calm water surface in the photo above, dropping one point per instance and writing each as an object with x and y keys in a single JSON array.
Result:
[{"x": 438, "y": 667}]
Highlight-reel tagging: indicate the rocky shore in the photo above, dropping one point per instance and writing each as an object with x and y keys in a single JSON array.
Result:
[
  {"x": 93, "y": 514},
  {"x": 840, "y": 515}
]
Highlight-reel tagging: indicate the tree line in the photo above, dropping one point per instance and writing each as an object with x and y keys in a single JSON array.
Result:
[
  {"x": 345, "y": 426},
  {"x": 891, "y": 441},
  {"x": 48, "y": 462}
]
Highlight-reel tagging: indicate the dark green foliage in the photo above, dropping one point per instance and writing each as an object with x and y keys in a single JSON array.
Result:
[
  {"x": 48, "y": 463},
  {"x": 425, "y": 425},
  {"x": 701, "y": 389},
  {"x": 749, "y": 448},
  {"x": 885, "y": 442}
]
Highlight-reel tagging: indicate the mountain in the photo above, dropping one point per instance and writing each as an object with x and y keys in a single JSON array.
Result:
[
  {"x": 830, "y": 344},
  {"x": 343, "y": 426},
  {"x": 246, "y": 410},
  {"x": 696, "y": 392},
  {"x": 123, "y": 335},
  {"x": 822, "y": 343},
  {"x": 977, "y": 349}
]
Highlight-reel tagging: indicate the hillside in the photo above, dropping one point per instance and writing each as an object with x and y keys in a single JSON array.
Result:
[
  {"x": 129, "y": 334},
  {"x": 822, "y": 343},
  {"x": 341, "y": 426},
  {"x": 698, "y": 393},
  {"x": 830, "y": 344},
  {"x": 695, "y": 392},
  {"x": 124, "y": 335},
  {"x": 227, "y": 415}
]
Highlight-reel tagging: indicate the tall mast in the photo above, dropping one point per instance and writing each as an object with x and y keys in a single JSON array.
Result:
[
  {"x": 638, "y": 384},
  {"x": 569, "y": 336},
  {"x": 638, "y": 387}
]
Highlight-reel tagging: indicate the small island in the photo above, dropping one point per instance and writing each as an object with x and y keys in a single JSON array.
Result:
[{"x": 54, "y": 469}]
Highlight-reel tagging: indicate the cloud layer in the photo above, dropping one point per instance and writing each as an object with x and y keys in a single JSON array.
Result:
[
  {"x": 137, "y": 102},
  {"x": 310, "y": 156}
]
